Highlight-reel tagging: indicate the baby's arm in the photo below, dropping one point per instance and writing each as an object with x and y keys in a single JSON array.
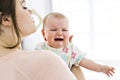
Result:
[{"x": 91, "y": 65}]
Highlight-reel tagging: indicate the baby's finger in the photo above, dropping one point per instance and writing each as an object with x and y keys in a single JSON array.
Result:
[{"x": 112, "y": 70}]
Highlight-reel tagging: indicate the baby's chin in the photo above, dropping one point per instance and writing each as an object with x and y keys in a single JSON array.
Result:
[{"x": 58, "y": 46}]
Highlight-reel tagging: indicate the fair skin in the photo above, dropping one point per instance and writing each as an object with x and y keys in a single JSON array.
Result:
[
  {"x": 58, "y": 28},
  {"x": 48, "y": 63},
  {"x": 56, "y": 32},
  {"x": 22, "y": 11},
  {"x": 91, "y": 65},
  {"x": 7, "y": 26}
]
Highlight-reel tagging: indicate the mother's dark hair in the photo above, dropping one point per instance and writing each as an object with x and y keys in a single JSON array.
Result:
[{"x": 8, "y": 8}]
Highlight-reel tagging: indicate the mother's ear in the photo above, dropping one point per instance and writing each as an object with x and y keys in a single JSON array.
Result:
[{"x": 6, "y": 21}]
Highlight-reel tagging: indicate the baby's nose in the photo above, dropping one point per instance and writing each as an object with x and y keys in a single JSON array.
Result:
[{"x": 59, "y": 32}]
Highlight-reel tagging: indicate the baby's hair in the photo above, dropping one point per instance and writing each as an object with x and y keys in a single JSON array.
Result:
[{"x": 54, "y": 14}]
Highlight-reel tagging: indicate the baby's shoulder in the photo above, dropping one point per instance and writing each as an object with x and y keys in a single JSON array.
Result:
[{"x": 40, "y": 46}]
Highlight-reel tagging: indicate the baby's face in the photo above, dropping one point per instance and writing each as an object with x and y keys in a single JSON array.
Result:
[{"x": 56, "y": 32}]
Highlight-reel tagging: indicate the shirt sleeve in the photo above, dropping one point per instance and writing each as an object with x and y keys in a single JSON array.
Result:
[{"x": 76, "y": 55}]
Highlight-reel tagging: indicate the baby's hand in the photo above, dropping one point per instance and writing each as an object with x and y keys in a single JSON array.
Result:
[{"x": 109, "y": 71}]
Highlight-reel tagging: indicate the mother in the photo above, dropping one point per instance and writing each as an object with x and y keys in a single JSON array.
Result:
[{"x": 15, "y": 64}]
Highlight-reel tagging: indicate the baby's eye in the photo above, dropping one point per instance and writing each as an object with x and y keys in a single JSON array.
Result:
[
  {"x": 53, "y": 30},
  {"x": 64, "y": 30}
]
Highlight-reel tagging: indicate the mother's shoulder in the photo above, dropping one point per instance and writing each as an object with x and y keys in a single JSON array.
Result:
[
  {"x": 36, "y": 58},
  {"x": 36, "y": 55}
]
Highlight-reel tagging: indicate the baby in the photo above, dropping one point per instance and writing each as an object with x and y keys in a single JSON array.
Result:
[{"x": 56, "y": 35}]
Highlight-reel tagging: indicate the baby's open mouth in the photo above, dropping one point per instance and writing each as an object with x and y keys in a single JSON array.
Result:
[{"x": 58, "y": 39}]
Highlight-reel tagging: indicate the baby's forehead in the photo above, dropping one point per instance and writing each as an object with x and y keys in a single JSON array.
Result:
[
  {"x": 57, "y": 21},
  {"x": 56, "y": 17}
]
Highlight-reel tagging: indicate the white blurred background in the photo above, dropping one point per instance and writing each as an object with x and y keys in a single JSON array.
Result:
[{"x": 95, "y": 25}]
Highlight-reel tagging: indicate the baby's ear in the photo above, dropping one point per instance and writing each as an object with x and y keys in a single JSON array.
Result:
[
  {"x": 43, "y": 33},
  {"x": 70, "y": 38},
  {"x": 6, "y": 21}
]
